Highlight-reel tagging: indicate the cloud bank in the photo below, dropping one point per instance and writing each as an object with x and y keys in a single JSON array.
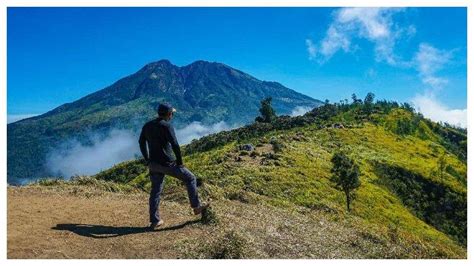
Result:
[
  {"x": 75, "y": 158},
  {"x": 300, "y": 110},
  {"x": 431, "y": 108},
  {"x": 196, "y": 130}
]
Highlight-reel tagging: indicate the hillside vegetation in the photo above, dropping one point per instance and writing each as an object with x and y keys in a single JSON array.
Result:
[
  {"x": 413, "y": 172},
  {"x": 274, "y": 197}
]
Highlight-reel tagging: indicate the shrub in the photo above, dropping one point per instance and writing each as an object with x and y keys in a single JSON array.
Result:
[
  {"x": 123, "y": 172},
  {"x": 209, "y": 217},
  {"x": 254, "y": 154},
  {"x": 276, "y": 144},
  {"x": 231, "y": 246},
  {"x": 270, "y": 156},
  {"x": 244, "y": 153},
  {"x": 49, "y": 181}
]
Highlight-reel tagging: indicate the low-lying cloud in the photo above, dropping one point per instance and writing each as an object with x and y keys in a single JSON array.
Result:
[
  {"x": 430, "y": 107},
  {"x": 77, "y": 158},
  {"x": 300, "y": 110},
  {"x": 196, "y": 130}
]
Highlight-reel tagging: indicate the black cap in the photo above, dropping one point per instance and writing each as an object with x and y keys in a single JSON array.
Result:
[{"x": 165, "y": 108}]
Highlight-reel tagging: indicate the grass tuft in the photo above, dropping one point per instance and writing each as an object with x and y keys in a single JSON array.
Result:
[{"x": 209, "y": 217}]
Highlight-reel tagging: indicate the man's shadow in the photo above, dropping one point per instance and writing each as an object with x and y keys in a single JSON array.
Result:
[{"x": 105, "y": 231}]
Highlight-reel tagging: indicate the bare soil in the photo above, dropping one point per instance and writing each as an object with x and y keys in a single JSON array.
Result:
[{"x": 50, "y": 224}]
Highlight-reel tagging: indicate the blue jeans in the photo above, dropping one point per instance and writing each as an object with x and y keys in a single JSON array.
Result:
[{"x": 157, "y": 175}]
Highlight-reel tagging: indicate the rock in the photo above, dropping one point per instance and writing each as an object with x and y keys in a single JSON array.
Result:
[
  {"x": 338, "y": 125},
  {"x": 246, "y": 147}
]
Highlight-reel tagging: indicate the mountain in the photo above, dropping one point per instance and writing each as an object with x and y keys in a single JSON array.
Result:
[
  {"x": 202, "y": 91},
  {"x": 279, "y": 200}
]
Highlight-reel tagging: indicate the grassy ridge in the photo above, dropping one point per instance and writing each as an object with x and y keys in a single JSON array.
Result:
[{"x": 290, "y": 168}]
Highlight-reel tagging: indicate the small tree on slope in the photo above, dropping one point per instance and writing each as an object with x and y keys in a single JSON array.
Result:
[
  {"x": 345, "y": 175},
  {"x": 266, "y": 110}
]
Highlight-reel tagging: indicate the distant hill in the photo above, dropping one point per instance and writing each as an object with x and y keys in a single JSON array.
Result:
[
  {"x": 202, "y": 91},
  {"x": 413, "y": 175}
]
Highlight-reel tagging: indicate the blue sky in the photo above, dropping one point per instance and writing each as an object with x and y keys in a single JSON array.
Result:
[{"x": 57, "y": 55}]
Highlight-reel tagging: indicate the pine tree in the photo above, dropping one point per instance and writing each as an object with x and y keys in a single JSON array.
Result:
[{"x": 369, "y": 103}]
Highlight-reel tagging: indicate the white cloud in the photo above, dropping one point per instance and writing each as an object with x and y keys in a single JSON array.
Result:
[
  {"x": 373, "y": 24},
  {"x": 73, "y": 157},
  {"x": 435, "y": 82},
  {"x": 430, "y": 107},
  {"x": 196, "y": 130},
  {"x": 311, "y": 48},
  {"x": 410, "y": 31},
  {"x": 370, "y": 73},
  {"x": 300, "y": 110},
  {"x": 333, "y": 42},
  {"x": 14, "y": 118},
  {"x": 429, "y": 60}
]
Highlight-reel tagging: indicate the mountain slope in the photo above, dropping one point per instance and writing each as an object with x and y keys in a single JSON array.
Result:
[
  {"x": 202, "y": 91},
  {"x": 413, "y": 172}
]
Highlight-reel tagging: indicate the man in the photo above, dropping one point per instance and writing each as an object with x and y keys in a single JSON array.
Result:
[{"x": 161, "y": 139}]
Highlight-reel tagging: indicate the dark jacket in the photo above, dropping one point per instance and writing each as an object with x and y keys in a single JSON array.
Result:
[{"x": 161, "y": 139}]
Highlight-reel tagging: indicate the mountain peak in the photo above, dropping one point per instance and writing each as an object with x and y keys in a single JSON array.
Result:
[
  {"x": 201, "y": 62},
  {"x": 197, "y": 63},
  {"x": 204, "y": 63},
  {"x": 160, "y": 63},
  {"x": 165, "y": 63}
]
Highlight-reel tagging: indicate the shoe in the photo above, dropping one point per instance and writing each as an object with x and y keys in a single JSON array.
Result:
[
  {"x": 200, "y": 209},
  {"x": 153, "y": 226}
]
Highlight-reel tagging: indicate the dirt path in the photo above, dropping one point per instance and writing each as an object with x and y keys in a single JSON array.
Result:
[{"x": 46, "y": 224}]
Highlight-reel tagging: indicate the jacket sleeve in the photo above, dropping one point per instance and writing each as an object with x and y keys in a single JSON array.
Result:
[
  {"x": 174, "y": 144},
  {"x": 142, "y": 142}
]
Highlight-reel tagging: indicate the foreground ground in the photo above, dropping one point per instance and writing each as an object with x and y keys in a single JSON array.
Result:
[{"x": 73, "y": 221}]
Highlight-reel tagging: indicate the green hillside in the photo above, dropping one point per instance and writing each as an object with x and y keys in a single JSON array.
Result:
[{"x": 413, "y": 173}]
